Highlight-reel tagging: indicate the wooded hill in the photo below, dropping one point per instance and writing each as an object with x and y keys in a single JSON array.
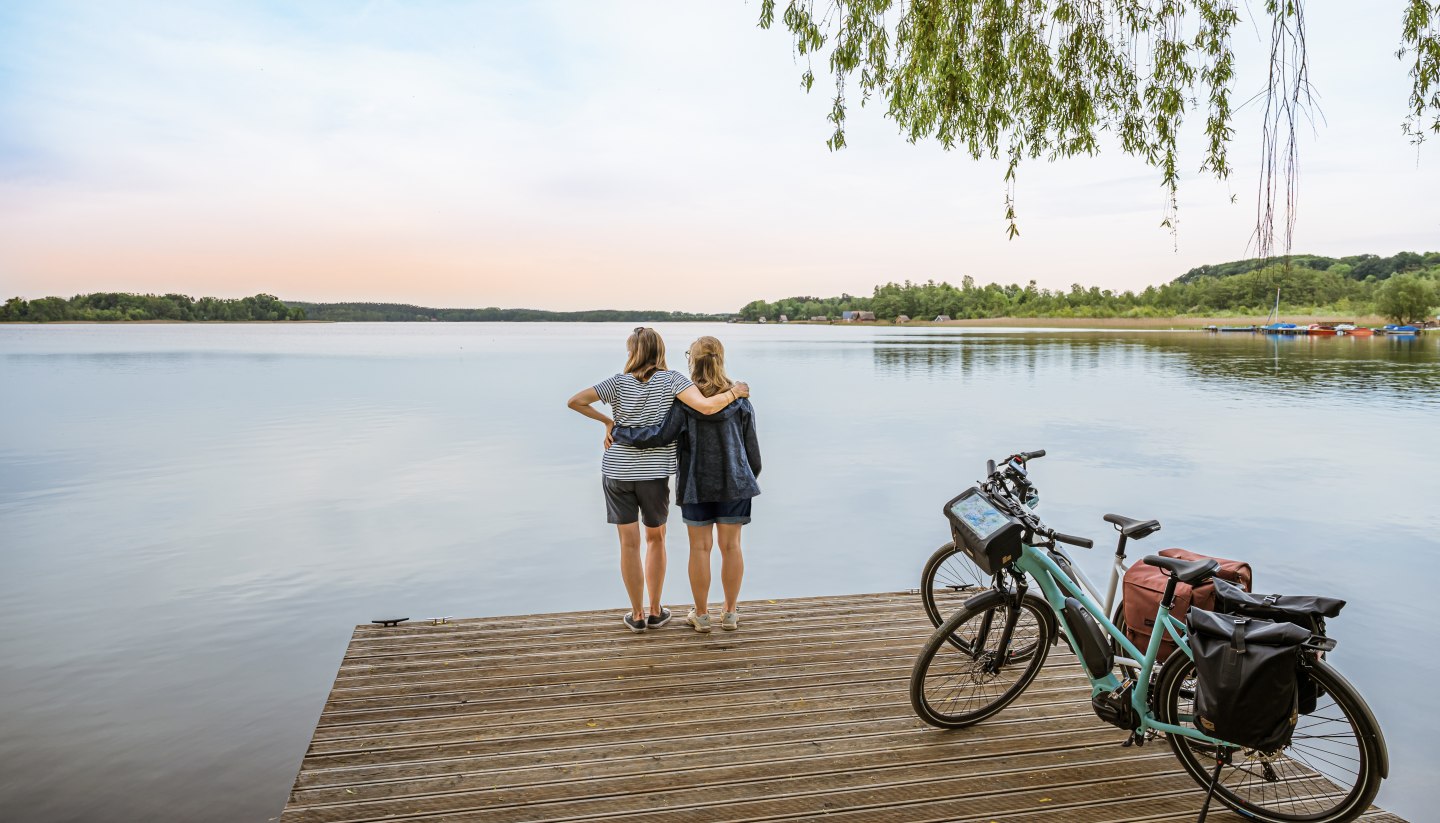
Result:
[{"x": 1403, "y": 286}]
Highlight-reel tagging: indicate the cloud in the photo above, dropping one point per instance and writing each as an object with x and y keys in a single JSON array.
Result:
[{"x": 570, "y": 155}]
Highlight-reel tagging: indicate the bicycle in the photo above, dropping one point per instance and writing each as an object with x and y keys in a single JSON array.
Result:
[
  {"x": 950, "y": 577},
  {"x": 984, "y": 655}
]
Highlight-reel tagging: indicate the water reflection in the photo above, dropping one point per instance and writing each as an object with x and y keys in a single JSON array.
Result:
[
  {"x": 1344, "y": 369},
  {"x": 195, "y": 517}
]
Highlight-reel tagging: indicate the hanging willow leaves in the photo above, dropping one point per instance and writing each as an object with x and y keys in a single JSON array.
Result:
[{"x": 1029, "y": 79}]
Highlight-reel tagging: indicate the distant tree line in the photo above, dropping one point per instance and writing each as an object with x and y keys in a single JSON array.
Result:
[
  {"x": 1403, "y": 287},
  {"x": 114, "y": 306},
  {"x": 384, "y": 312},
  {"x": 118, "y": 306}
]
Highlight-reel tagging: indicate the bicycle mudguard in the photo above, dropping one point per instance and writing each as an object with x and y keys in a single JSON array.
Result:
[{"x": 991, "y": 598}]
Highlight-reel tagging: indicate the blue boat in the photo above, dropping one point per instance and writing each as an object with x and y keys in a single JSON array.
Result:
[
  {"x": 1391, "y": 328},
  {"x": 1283, "y": 328}
]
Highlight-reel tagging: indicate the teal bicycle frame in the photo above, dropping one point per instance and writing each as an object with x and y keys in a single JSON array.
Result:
[{"x": 1056, "y": 585}]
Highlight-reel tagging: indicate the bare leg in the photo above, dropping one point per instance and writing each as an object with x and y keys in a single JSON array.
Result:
[
  {"x": 701, "y": 539},
  {"x": 732, "y": 563},
  {"x": 654, "y": 565},
  {"x": 630, "y": 569}
]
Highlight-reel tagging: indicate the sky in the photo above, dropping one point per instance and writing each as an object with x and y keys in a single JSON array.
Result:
[{"x": 572, "y": 155}]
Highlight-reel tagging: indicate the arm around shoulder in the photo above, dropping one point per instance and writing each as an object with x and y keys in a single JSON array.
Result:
[{"x": 693, "y": 398}]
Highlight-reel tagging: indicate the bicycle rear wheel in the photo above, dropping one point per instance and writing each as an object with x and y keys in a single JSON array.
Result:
[
  {"x": 1329, "y": 773},
  {"x": 962, "y": 676}
]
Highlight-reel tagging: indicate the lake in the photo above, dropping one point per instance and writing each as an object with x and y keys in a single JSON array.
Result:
[{"x": 196, "y": 516}]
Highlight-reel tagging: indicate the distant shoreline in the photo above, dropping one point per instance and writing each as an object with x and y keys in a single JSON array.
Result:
[{"x": 1176, "y": 323}]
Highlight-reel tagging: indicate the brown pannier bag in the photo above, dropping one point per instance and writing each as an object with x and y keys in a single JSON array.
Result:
[{"x": 1145, "y": 586}]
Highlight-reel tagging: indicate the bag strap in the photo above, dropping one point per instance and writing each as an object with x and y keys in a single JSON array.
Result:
[{"x": 1237, "y": 640}]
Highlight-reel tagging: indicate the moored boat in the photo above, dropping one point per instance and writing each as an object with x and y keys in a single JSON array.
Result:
[
  {"x": 1316, "y": 328},
  {"x": 1391, "y": 328},
  {"x": 1282, "y": 328},
  {"x": 1360, "y": 331}
]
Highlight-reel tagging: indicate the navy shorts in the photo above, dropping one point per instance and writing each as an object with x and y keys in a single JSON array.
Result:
[{"x": 732, "y": 512}]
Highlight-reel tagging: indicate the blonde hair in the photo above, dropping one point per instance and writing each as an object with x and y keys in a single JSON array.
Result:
[
  {"x": 707, "y": 366},
  {"x": 647, "y": 353}
]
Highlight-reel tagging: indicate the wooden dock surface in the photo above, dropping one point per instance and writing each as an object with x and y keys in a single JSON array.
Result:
[{"x": 801, "y": 714}]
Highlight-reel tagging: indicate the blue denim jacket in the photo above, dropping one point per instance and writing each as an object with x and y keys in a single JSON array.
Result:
[{"x": 719, "y": 453}]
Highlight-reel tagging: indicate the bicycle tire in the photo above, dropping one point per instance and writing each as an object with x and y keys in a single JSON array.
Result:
[
  {"x": 1304, "y": 782},
  {"x": 949, "y": 579},
  {"x": 950, "y": 571},
  {"x": 960, "y": 670}
]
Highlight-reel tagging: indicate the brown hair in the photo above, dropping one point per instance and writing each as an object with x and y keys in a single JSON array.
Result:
[
  {"x": 707, "y": 366},
  {"x": 647, "y": 353}
]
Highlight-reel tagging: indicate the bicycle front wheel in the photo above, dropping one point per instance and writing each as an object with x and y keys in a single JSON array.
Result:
[
  {"x": 963, "y": 676},
  {"x": 1329, "y": 773}
]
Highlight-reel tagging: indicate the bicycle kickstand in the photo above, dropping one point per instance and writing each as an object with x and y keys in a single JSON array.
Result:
[{"x": 1222, "y": 758}]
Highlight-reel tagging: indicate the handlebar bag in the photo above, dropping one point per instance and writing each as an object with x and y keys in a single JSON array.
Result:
[
  {"x": 1305, "y": 611},
  {"x": 1145, "y": 587},
  {"x": 1245, "y": 684}
]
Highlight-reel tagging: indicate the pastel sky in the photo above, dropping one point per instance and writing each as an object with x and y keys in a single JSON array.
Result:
[{"x": 588, "y": 154}]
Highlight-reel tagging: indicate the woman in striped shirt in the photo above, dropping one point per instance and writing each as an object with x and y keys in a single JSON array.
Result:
[{"x": 637, "y": 481}]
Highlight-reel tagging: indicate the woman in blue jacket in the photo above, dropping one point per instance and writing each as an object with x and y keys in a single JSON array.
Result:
[{"x": 718, "y": 463}]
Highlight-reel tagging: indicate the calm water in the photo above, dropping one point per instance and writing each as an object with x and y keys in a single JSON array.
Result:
[{"x": 192, "y": 518}]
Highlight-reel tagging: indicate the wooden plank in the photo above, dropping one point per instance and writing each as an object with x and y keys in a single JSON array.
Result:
[{"x": 803, "y": 713}]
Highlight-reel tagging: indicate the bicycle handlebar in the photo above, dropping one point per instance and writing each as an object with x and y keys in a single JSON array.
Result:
[
  {"x": 1008, "y": 483},
  {"x": 1082, "y": 542}
]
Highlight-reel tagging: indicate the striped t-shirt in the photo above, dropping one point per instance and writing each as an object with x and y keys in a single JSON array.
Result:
[{"x": 636, "y": 403}]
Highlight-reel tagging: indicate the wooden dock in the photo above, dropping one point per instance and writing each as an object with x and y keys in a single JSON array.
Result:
[{"x": 801, "y": 714}]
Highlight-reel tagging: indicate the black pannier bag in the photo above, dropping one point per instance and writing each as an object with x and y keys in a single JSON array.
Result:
[
  {"x": 1306, "y": 611},
  {"x": 1245, "y": 678}
]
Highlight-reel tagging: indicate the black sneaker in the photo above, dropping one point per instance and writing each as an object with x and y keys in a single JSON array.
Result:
[
  {"x": 655, "y": 621},
  {"x": 637, "y": 626}
]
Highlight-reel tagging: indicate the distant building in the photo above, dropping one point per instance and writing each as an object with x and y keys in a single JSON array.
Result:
[
  {"x": 865, "y": 315},
  {"x": 784, "y": 319},
  {"x": 847, "y": 316},
  {"x": 904, "y": 318},
  {"x": 942, "y": 318},
  {"x": 819, "y": 318}
]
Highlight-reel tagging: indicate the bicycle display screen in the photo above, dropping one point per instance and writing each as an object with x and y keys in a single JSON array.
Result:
[
  {"x": 989, "y": 536},
  {"x": 975, "y": 513}
]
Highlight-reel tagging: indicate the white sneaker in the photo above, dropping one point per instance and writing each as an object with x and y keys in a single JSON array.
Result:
[
  {"x": 730, "y": 621},
  {"x": 701, "y": 622}
]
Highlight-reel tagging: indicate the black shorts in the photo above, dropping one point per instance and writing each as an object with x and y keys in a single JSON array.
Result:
[
  {"x": 625, "y": 498},
  {"x": 730, "y": 512}
]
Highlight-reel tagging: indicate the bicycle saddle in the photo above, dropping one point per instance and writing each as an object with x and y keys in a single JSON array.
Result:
[
  {"x": 1186, "y": 571},
  {"x": 1132, "y": 528}
]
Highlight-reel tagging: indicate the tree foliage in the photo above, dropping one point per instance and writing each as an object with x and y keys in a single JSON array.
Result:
[
  {"x": 178, "y": 307},
  {"x": 380, "y": 312},
  {"x": 106, "y": 306},
  {"x": 1407, "y": 298},
  {"x": 1307, "y": 284},
  {"x": 1026, "y": 79}
]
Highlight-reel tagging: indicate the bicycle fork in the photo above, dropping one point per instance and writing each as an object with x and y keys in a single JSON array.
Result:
[{"x": 1007, "y": 632}]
